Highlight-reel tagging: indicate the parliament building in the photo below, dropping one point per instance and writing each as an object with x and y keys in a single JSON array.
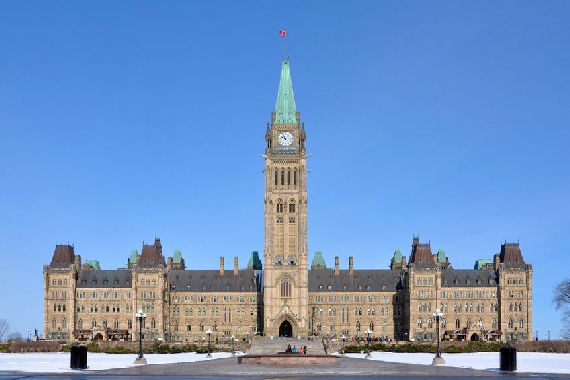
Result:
[{"x": 285, "y": 296}]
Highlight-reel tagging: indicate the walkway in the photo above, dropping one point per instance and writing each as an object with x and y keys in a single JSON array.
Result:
[{"x": 267, "y": 346}]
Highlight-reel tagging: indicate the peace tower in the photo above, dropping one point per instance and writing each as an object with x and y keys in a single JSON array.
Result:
[{"x": 285, "y": 247}]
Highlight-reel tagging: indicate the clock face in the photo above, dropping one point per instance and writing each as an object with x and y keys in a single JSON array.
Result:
[{"x": 285, "y": 138}]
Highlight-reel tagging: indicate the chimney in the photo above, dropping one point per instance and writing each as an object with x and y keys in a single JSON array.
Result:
[
  {"x": 351, "y": 265},
  {"x": 236, "y": 270},
  {"x": 221, "y": 265},
  {"x": 336, "y": 269}
]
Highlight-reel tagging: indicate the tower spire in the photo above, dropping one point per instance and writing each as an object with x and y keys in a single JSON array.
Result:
[{"x": 285, "y": 108}]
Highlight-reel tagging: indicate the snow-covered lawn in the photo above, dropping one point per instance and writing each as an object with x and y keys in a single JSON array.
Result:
[
  {"x": 55, "y": 362},
  {"x": 526, "y": 361}
]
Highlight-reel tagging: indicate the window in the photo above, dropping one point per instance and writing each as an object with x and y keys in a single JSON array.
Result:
[
  {"x": 510, "y": 323},
  {"x": 282, "y": 177},
  {"x": 521, "y": 323},
  {"x": 129, "y": 324},
  {"x": 295, "y": 177},
  {"x": 153, "y": 323},
  {"x": 53, "y": 323},
  {"x": 285, "y": 288},
  {"x": 80, "y": 324},
  {"x": 457, "y": 324},
  {"x": 291, "y": 207}
]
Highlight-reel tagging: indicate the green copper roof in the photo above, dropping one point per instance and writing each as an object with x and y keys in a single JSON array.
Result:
[
  {"x": 318, "y": 261},
  {"x": 177, "y": 257},
  {"x": 481, "y": 262},
  {"x": 397, "y": 256},
  {"x": 133, "y": 257},
  {"x": 285, "y": 108},
  {"x": 254, "y": 262},
  {"x": 93, "y": 264},
  {"x": 441, "y": 258}
]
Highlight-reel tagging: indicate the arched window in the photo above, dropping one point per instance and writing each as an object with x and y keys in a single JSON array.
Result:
[
  {"x": 371, "y": 326},
  {"x": 276, "y": 175},
  {"x": 80, "y": 324},
  {"x": 105, "y": 324},
  {"x": 295, "y": 177},
  {"x": 282, "y": 177},
  {"x": 510, "y": 323},
  {"x": 130, "y": 323},
  {"x": 494, "y": 324},
  {"x": 288, "y": 177},
  {"x": 63, "y": 307},
  {"x": 357, "y": 325},
  {"x": 153, "y": 323},
  {"x": 53, "y": 323},
  {"x": 93, "y": 324},
  {"x": 384, "y": 326},
  {"x": 116, "y": 324},
  {"x": 285, "y": 288},
  {"x": 469, "y": 323},
  {"x": 64, "y": 324},
  {"x": 521, "y": 323},
  {"x": 457, "y": 324},
  {"x": 420, "y": 322}
]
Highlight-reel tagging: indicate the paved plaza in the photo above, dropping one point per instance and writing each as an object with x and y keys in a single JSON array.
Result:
[{"x": 229, "y": 369}]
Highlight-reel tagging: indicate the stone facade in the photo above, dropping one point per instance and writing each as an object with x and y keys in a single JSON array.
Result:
[{"x": 493, "y": 301}]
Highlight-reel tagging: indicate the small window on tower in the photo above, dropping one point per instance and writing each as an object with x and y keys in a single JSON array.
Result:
[{"x": 291, "y": 207}]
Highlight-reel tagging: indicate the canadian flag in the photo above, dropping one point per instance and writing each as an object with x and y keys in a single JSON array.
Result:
[{"x": 283, "y": 33}]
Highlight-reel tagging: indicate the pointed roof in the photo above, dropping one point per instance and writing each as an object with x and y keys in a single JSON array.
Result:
[
  {"x": 441, "y": 257},
  {"x": 134, "y": 256},
  {"x": 318, "y": 261},
  {"x": 397, "y": 256},
  {"x": 254, "y": 261},
  {"x": 177, "y": 257},
  {"x": 285, "y": 108}
]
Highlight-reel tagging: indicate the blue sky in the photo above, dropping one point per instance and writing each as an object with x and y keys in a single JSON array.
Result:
[{"x": 121, "y": 121}]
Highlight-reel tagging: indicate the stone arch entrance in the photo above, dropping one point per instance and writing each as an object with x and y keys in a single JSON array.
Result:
[
  {"x": 99, "y": 336},
  {"x": 286, "y": 329},
  {"x": 474, "y": 338}
]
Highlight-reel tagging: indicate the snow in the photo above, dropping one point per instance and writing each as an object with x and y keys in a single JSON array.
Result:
[
  {"x": 539, "y": 362},
  {"x": 57, "y": 362}
]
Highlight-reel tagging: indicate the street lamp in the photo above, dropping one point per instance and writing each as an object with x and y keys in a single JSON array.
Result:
[
  {"x": 140, "y": 315},
  {"x": 368, "y": 356},
  {"x": 233, "y": 350},
  {"x": 343, "y": 337},
  {"x": 438, "y": 360},
  {"x": 209, "y": 332}
]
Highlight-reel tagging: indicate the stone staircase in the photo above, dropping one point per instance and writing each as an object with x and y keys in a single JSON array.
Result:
[{"x": 267, "y": 346}]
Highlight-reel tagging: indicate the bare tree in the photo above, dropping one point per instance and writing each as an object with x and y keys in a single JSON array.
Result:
[
  {"x": 15, "y": 336},
  {"x": 562, "y": 302},
  {"x": 4, "y": 327}
]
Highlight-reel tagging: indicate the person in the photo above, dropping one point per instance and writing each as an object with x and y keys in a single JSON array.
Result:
[
  {"x": 305, "y": 350},
  {"x": 294, "y": 349},
  {"x": 288, "y": 348}
]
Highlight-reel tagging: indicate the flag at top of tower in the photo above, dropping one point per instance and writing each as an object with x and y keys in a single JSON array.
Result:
[{"x": 283, "y": 33}]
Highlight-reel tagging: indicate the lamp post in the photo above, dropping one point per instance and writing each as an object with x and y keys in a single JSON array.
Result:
[
  {"x": 343, "y": 337},
  {"x": 233, "y": 350},
  {"x": 209, "y": 332},
  {"x": 368, "y": 356},
  {"x": 140, "y": 315},
  {"x": 438, "y": 360}
]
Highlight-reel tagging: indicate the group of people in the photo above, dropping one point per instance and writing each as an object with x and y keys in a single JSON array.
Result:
[{"x": 295, "y": 350}]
